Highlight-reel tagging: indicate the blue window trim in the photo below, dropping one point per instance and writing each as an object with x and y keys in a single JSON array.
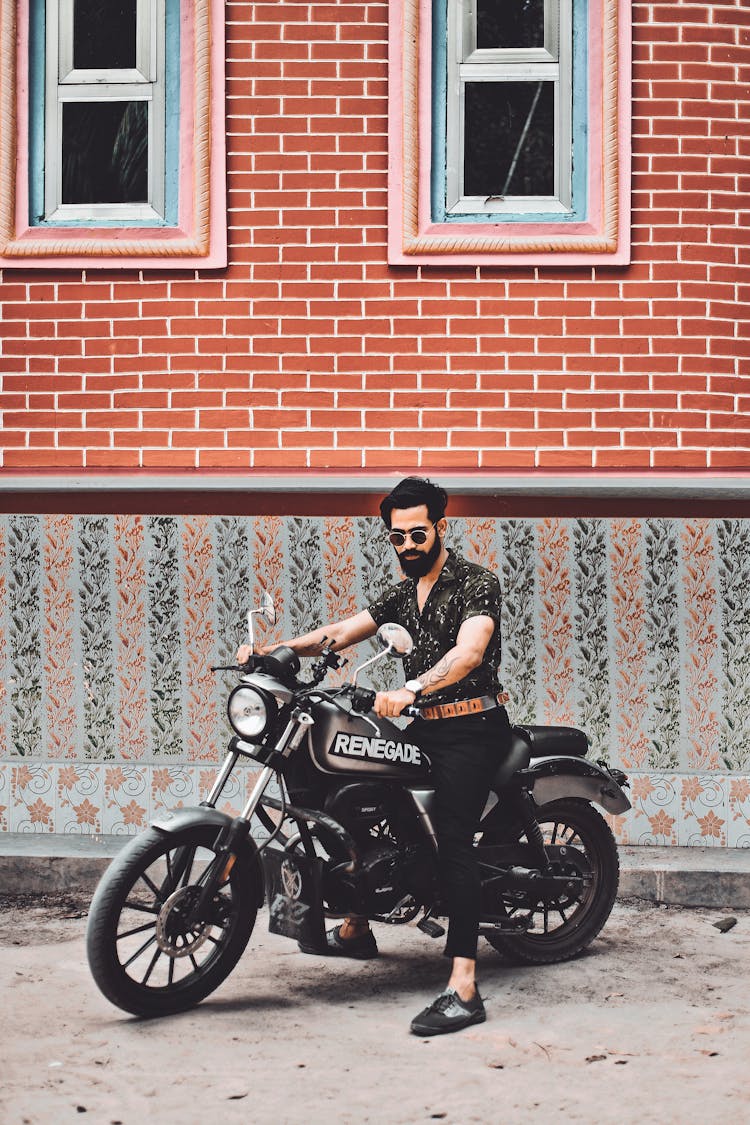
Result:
[
  {"x": 37, "y": 84},
  {"x": 579, "y": 209}
]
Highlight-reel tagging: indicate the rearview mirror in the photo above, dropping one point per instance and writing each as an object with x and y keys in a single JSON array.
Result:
[
  {"x": 266, "y": 610},
  {"x": 395, "y": 638}
]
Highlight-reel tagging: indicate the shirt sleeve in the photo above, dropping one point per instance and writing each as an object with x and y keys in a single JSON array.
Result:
[
  {"x": 387, "y": 608},
  {"x": 482, "y": 597}
]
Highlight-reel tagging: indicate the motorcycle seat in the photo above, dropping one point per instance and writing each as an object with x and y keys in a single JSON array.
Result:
[{"x": 545, "y": 742}]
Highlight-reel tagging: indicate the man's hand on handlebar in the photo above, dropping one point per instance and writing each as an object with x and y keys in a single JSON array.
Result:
[
  {"x": 244, "y": 652},
  {"x": 389, "y": 704}
]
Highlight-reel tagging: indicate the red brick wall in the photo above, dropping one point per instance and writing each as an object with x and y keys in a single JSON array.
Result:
[{"x": 310, "y": 351}]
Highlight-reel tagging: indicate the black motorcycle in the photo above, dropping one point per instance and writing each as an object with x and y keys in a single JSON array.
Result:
[{"x": 351, "y": 832}]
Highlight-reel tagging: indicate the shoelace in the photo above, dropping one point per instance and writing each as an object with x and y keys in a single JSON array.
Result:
[{"x": 444, "y": 1001}]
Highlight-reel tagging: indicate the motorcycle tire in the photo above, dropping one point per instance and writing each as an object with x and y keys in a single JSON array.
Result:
[
  {"x": 157, "y": 965},
  {"x": 578, "y": 824}
]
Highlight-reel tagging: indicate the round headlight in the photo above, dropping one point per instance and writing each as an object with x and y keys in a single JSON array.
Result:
[{"x": 248, "y": 711}]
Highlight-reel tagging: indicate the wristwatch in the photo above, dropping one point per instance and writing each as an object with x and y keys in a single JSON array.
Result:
[{"x": 415, "y": 686}]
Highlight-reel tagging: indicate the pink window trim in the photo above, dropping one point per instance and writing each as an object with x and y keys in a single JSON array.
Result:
[
  {"x": 414, "y": 239},
  {"x": 200, "y": 239}
]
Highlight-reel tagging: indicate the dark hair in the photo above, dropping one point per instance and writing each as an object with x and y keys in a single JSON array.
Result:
[{"x": 410, "y": 493}]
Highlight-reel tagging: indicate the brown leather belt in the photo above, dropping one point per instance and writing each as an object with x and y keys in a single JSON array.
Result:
[{"x": 464, "y": 706}]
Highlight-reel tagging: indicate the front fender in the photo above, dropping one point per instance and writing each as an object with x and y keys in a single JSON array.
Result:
[
  {"x": 201, "y": 815},
  {"x": 191, "y": 817},
  {"x": 553, "y": 779}
]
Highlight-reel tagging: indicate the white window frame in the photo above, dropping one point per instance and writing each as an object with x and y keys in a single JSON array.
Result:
[
  {"x": 552, "y": 62},
  {"x": 146, "y": 82}
]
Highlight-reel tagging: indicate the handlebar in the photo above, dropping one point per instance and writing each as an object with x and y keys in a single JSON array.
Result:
[
  {"x": 363, "y": 700},
  {"x": 283, "y": 661}
]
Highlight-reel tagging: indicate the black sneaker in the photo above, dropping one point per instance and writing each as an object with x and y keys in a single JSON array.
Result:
[
  {"x": 362, "y": 948},
  {"x": 449, "y": 1013}
]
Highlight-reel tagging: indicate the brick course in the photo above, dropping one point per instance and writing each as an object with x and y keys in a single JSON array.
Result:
[{"x": 309, "y": 351}]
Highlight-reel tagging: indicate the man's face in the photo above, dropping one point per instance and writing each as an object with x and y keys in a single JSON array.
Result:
[{"x": 416, "y": 559}]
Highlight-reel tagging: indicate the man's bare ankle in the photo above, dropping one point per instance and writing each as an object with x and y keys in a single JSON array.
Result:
[
  {"x": 353, "y": 928},
  {"x": 466, "y": 989}
]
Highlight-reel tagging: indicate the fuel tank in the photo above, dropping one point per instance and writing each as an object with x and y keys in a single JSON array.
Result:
[{"x": 345, "y": 744}]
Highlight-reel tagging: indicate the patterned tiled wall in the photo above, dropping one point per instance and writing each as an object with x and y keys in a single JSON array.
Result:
[{"x": 636, "y": 630}]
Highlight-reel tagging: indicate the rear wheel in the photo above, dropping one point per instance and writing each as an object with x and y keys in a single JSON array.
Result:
[
  {"x": 146, "y": 954},
  {"x": 561, "y": 929}
]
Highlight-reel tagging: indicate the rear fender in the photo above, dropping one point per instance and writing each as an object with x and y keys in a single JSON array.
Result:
[
  {"x": 200, "y": 816},
  {"x": 555, "y": 778}
]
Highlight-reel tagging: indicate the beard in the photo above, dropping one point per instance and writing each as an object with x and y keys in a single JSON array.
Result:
[{"x": 418, "y": 567}]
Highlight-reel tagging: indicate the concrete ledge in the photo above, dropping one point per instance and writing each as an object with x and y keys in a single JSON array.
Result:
[
  {"x": 713, "y": 877},
  {"x": 33, "y": 864}
]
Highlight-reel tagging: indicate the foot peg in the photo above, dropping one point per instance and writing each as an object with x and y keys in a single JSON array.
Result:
[{"x": 431, "y": 928}]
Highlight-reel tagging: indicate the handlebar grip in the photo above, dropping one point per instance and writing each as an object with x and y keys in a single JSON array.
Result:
[
  {"x": 411, "y": 712},
  {"x": 363, "y": 700}
]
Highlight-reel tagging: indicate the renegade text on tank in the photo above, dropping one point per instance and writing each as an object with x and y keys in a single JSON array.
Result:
[{"x": 380, "y": 749}]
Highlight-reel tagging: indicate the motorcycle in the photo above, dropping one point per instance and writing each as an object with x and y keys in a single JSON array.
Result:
[{"x": 351, "y": 832}]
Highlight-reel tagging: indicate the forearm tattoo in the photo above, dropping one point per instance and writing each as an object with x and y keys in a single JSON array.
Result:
[{"x": 437, "y": 674}]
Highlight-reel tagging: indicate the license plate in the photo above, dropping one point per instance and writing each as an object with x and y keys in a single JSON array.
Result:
[{"x": 293, "y": 889}]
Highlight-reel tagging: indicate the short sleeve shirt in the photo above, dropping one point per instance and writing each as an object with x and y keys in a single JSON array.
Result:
[{"x": 462, "y": 590}]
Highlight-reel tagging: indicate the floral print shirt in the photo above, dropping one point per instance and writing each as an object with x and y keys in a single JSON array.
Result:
[{"x": 462, "y": 590}]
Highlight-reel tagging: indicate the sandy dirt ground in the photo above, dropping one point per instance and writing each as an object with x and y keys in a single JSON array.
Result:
[{"x": 651, "y": 1025}]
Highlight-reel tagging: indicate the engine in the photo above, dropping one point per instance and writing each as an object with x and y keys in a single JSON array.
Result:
[
  {"x": 397, "y": 863},
  {"x": 388, "y": 875}
]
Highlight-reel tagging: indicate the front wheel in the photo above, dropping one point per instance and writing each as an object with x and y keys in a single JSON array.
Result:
[
  {"x": 146, "y": 953},
  {"x": 560, "y": 930}
]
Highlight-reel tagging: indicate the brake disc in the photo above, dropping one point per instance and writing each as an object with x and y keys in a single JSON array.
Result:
[{"x": 171, "y": 925}]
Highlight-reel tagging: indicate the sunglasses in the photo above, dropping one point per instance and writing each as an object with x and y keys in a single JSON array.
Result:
[{"x": 418, "y": 537}]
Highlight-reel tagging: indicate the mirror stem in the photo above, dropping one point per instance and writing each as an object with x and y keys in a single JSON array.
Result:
[{"x": 367, "y": 663}]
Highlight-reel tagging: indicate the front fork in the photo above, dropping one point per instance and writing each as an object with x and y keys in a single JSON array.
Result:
[
  {"x": 228, "y": 844},
  {"x": 239, "y": 829}
]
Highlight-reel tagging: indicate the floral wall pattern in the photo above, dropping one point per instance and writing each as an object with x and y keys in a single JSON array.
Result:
[{"x": 636, "y": 630}]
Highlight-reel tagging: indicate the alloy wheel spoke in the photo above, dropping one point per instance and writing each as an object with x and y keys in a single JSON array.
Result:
[
  {"x": 205, "y": 874},
  {"x": 151, "y": 886},
  {"x": 137, "y": 930},
  {"x": 151, "y": 965},
  {"x": 140, "y": 906},
  {"x": 188, "y": 868},
  {"x": 139, "y": 951}
]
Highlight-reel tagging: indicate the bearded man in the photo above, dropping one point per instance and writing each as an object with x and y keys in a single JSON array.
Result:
[{"x": 451, "y": 608}]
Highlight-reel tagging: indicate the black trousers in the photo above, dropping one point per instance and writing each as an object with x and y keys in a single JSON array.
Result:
[{"x": 465, "y": 752}]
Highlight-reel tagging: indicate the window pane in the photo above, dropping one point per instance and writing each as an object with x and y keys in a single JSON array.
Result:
[
  {"x": 509, "y": 138},
  {"x": 510, "y": 23},
  {"x": 105, "y": 152},
  {"x": 104, "y": 34}
]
